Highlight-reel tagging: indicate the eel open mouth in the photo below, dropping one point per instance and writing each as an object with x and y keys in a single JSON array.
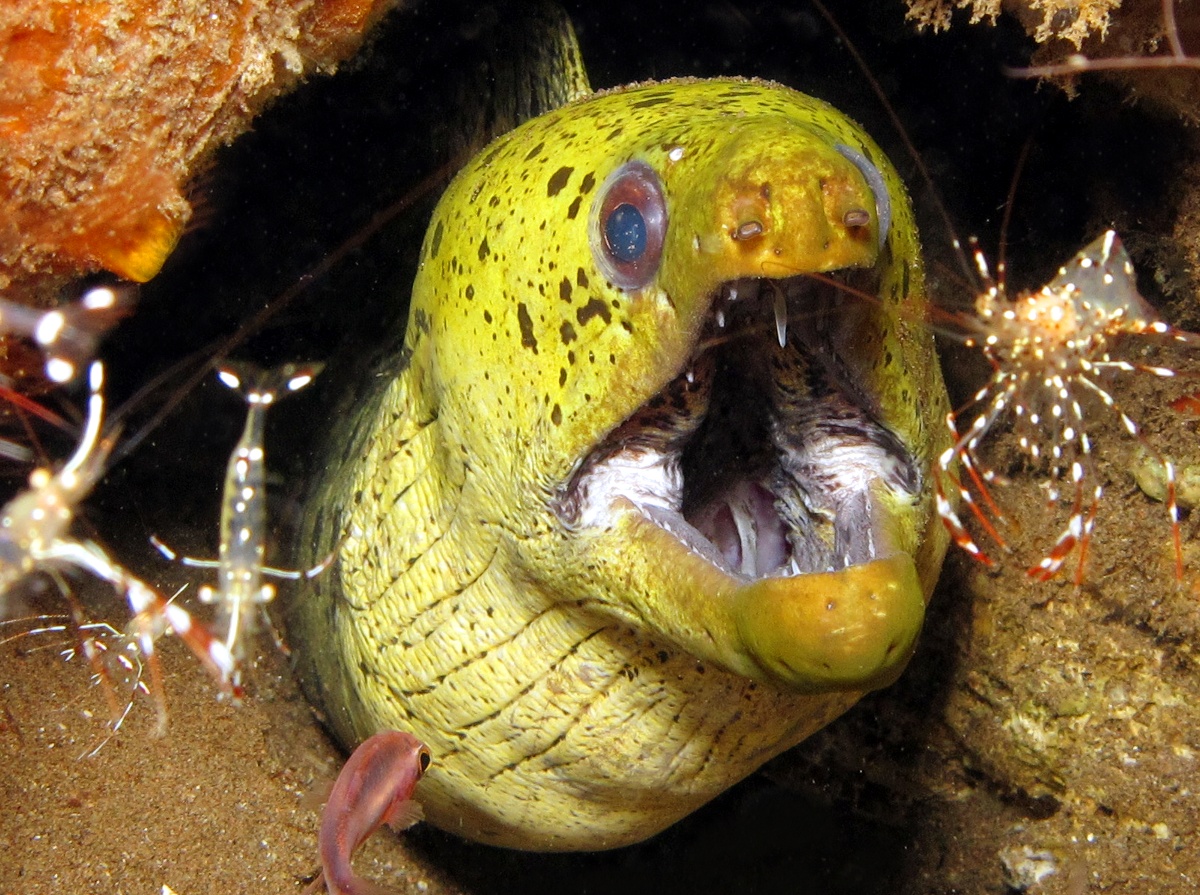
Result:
[{"x": 764, "y": 456}]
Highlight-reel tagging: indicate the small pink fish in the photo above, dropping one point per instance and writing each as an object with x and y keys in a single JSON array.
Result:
[{"x": 374, "y": 788}]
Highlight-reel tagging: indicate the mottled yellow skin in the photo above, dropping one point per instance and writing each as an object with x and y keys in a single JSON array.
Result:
[{"x": 583, "y": 689}]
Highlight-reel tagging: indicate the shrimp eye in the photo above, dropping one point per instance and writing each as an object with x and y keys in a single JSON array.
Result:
[
  {"x": 424, "y": 759},
  {"x": 628, "y": 226},
  {"x": 874, "y": 178}
]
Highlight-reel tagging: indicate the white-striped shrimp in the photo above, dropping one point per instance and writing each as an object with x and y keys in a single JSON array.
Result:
[{"x": 240, "y": 565}]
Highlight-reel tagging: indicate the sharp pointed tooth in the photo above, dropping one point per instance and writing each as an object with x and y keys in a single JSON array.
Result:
[
  {"x": 781, "y": 317},
  {"x": 721, "y": 319},
  {"x": 731, "y": 292},
  {"x": 691, "y": 376}
]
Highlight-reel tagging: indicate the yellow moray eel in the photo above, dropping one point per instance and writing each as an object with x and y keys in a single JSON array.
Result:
[{"x": 640, "y": 505}]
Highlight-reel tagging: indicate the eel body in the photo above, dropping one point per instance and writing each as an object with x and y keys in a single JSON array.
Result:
[{"x": 642, "y": 502}]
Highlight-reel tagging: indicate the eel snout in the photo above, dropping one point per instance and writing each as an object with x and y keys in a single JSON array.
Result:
[{"x": 761, "y": 478}]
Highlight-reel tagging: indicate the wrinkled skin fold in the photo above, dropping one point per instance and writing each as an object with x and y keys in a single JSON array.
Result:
[{"x": 608, "y": 548}]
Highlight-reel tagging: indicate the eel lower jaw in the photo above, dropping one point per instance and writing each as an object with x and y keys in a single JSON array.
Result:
[{"x": 769, "y": 495}]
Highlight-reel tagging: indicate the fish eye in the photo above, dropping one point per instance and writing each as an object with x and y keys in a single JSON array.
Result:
[
  {"x": 625, "y": 233},
  {"x": 629, "y": 225},
  {"x": 874, "y": 178}
]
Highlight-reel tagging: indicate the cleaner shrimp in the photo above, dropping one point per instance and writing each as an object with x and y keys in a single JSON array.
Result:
[
  {"x": 35, "y": 536},
  {"x": 242, "y": 549},
  {"x": 1051, "y": 352},
  {"x": 68, "y": 336}
]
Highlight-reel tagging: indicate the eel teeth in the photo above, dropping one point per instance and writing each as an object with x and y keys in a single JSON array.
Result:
[{"x": 781, "y": 320}]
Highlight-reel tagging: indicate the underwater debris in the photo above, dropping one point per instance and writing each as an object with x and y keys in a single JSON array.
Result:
[
  {"x": 1139, "y": 44},
  {"x": 1070, "y": 20}
]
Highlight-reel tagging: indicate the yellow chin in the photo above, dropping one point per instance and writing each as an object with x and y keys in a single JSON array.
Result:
[
  {"x": 854, "y": 629},
  {"x": 850, "y": 630}
]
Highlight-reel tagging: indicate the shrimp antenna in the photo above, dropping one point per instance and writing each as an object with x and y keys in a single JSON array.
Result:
[{"x": 1006, "y": 218}]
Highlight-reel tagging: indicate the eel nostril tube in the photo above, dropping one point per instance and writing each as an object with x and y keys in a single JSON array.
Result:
[{"x": 856, "y": 217}]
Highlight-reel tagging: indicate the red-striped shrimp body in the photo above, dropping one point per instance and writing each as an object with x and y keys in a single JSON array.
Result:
[
  {"x": 35, "y": 536},
  {"x": 1050, "y": 351},
  {"x": 374, "y": 788}
]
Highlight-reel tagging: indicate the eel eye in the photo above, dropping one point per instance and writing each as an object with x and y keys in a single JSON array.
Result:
[
  {"x": 630, "y": 223},
  {"x": 424, "y": 758},
  {"x": 625, "y": 233},
  {"x": 874, "y": 179}
]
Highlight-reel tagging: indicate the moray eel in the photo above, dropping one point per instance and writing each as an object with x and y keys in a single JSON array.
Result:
[{"x": 640, "y": 504}]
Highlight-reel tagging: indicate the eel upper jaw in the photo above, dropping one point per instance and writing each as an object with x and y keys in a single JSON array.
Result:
[{"x": 758, "y": 473}]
